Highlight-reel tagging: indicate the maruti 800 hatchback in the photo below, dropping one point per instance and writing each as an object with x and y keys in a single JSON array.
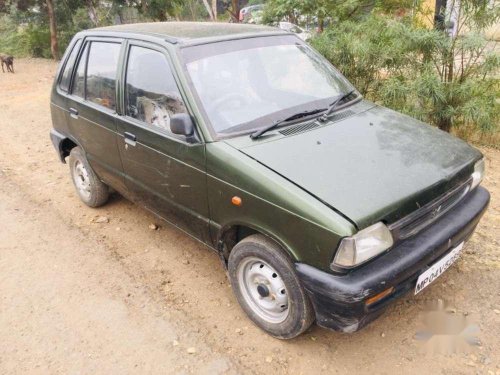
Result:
[{"x": 322, "y": 205}]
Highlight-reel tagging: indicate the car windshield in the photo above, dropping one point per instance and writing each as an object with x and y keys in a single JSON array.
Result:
[{"x": 243, "y": 85}]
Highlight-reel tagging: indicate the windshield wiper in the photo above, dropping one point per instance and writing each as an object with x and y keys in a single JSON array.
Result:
[
  {"x": 334, "y": 105},
  {"x": 277, "y": 123}
]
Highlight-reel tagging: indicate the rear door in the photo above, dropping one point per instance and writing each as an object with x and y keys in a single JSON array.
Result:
[
  {"x": 163, "y": 171},
  {"x": 59, "y": 101},
  {"x": 92, "y": 107}
]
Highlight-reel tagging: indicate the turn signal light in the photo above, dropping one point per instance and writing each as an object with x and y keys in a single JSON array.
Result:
[
  {"x": 378, "y": 297},
  {"x": 236, "y": 201}
]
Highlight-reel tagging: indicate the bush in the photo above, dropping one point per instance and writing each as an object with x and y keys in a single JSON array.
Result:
[
  {"x": 27, "y": 41},
  {"x": 451, "y": 82},
  {"x": 10, "y": 41},
  {"x": 37, "y": 41}
]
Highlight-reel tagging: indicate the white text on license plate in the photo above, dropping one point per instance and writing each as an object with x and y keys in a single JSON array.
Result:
[{"x": 437, "y": 269}]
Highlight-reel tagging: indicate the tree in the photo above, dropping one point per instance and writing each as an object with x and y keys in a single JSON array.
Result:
[
  {"x": 53, "y": 30},
  {"x": 233, "y": 8},
  {"x": 209, "y": 10},
  {"x": 158, "y": 10},
  {"x": 447, "y": 79},
  {"x": 322, "y": 11},
  {"x": 92, "y": 12}
]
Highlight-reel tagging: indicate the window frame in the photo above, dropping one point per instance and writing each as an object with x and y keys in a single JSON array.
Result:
[
  {"x": 66, "y": 61},
  {"x": 100, "y": 40},
  {"x": 128, "y": 44},
  {"x": 75, "y": 69},
  {"x": 88, "y": 41}
]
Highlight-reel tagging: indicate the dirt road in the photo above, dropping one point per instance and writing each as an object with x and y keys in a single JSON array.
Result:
[{"x": 117, "y": 297}]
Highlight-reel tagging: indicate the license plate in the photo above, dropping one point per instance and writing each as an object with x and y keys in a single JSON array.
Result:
[{"x": 426, "y": 278}]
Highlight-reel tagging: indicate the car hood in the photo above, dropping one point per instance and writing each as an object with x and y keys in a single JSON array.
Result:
[{"x": 374, "y": 165}]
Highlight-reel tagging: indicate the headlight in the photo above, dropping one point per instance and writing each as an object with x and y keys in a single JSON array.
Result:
[
  {"x": 478, "y": 174},
  {"x": 364, "y": 245}
]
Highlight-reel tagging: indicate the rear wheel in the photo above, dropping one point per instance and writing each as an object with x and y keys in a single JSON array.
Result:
[
  {"x": 264, "y": 281},
  {"x": 91, "y": 190}
]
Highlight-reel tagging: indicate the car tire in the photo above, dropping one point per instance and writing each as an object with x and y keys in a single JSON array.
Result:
[
  {"x": 266, "y": 285},
  {"x": 91, "y": 190}
]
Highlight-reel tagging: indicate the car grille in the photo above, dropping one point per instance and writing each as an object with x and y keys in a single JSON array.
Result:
[{"x": 419, "y": 219}]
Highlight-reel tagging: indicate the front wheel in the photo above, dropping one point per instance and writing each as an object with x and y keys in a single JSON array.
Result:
[{"x": 264, "y": 281}]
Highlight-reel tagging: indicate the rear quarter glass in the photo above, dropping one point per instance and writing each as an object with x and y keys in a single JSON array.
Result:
[{"x": 68, "y": 66}]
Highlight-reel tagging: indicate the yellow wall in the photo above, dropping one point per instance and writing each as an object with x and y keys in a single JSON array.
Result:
[{"x": 426, "y": 15}]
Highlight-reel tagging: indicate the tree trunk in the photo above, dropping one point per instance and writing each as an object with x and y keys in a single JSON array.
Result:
[
  {"x": 445, "y": 124},
  {"x": 53, "y": 29},
  {"x": 321, "y": 24},
  {"x": 209, "y": 9},
  {"x": 235, "y": 11},
  {"x": 214, "y": 9},
  {"x": 92, "y": 12},
  {"x": 192, "y": 11}
]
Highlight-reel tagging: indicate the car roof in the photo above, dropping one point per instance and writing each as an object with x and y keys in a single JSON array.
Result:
[{"x": 190, "y": 31}]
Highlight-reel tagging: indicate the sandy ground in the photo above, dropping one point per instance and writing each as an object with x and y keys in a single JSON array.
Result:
[{"x": 117, "y": 298}]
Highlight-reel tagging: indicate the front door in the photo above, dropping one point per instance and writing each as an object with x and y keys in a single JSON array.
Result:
[
  {"x": 163, "y": 171},
  {"x": 92, "y": 108}
]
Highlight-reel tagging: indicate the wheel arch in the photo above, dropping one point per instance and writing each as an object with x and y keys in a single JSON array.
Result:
[
  {"x": 231, "y": 234},
  {"x": 65, "y": 148},
  {"x": 63, "y": 144}
]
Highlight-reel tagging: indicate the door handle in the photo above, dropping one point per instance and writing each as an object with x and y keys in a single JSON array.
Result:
[
  {"x": 73, "y": 112},
  {"x": 130, "y": 139}
]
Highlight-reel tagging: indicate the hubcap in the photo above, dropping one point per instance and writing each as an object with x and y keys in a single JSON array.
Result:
[
  {"x": 82, "y": 180},
  {"x": 263, "y": 289}
]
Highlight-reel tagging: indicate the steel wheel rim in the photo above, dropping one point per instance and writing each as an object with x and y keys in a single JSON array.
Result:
[
  {"x": 82, "y": 179},
  {"x": 263, "y": 290}
]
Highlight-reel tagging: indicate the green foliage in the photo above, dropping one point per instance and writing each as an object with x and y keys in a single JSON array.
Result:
[
  {"x": 255, "y": 2},
  {"x": 24, "y": 24},
  {"x": 9, "y": 42},
  {"x": 449, "y": 81},
  {"x": 192, "y": 10},
  {"x": 157, "y": 10},
  {"x": 37, "y": 41},
  {"x": 297, "y": 11},
  {"x": 22, "y": 41}
]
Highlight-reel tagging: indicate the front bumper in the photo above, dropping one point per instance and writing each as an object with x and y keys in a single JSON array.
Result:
[{"x": 339, "y": 300}]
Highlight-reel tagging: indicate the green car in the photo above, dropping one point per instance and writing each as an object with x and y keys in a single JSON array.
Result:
[{"x": 321, "y": 205}]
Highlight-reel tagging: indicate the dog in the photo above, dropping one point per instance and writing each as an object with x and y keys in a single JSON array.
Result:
[
  {"x": 8, "y": 61},
  {"x": 158, "y": 111}
]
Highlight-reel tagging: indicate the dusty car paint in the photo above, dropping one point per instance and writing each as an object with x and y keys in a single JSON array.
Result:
[
  {"x": 374, "y": 165},
  {"x": 306, "y": 185},
  {"x": 272, "y": 205},
  {"x": 228, "y": 172}
]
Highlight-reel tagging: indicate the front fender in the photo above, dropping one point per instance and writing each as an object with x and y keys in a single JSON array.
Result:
[{"x": 305, "y": 227}]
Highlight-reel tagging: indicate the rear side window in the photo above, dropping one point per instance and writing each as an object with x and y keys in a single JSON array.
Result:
[
  {"x": 68, "y": 68},
  {"x": 152, "y": 95},
  {"x": 101, "y": 73},
  {"x": 79, "y": 80}
]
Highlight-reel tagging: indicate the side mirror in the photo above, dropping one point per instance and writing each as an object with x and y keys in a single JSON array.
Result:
[{"x": 182, "y": 124}]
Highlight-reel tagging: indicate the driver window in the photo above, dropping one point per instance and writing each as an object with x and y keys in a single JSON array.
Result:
[{"x": 152, "y": 95}]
